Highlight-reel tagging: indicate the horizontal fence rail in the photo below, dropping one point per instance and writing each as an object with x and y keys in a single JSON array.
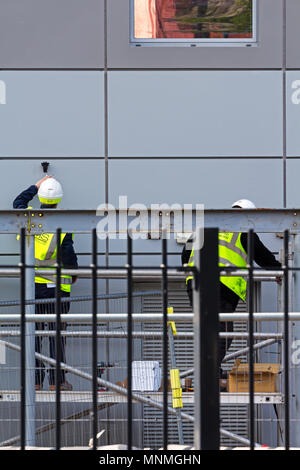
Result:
[
  {"x": 146, "y": 317},
  {"x": 141, "y": 274}
]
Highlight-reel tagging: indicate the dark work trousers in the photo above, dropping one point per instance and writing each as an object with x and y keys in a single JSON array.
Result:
[
  {"x": 44, "y": 292},
  {"x": 224, "y": 344}
]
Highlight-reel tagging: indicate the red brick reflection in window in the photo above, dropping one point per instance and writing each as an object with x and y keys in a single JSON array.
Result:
[
  {"x": 166, "y": 24},
  {"x": 240, "y": 35}
]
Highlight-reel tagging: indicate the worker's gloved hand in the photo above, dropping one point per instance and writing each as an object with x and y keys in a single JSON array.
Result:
[
  {"x": 38, "y": 184},
  {"x": 74, "y": 279},
  {"x": 278, "y": 280}
]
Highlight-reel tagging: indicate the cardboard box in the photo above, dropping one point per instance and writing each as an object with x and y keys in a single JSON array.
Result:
[{"x": 265, "y": 378}]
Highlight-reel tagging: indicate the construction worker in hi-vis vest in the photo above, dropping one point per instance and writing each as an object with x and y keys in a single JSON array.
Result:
[
  {"x": 50, "y": 194},
  {"x": 232, "y": 252}
]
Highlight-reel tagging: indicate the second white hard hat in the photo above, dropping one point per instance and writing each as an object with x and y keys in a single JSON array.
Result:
[
  {"x": 244, "y": 204},
  {"x": 50, "y": 191}
]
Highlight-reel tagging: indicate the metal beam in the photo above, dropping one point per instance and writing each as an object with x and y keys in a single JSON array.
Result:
[{"x": 82, "y": 221}]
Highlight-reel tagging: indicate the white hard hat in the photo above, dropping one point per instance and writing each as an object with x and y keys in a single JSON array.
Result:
[
  {"x": 50, "y": 191},
  {"x": 244, "y": 204}
]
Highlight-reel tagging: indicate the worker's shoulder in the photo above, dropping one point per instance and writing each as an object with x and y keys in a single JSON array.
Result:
[
  {"x": 245, "y": 235},
  {"x": 68, "y": 238}
]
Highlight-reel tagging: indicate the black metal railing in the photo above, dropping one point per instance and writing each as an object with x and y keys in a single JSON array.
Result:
[{"x": 206, "y": 286}]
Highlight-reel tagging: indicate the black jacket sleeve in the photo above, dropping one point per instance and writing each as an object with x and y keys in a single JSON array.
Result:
[
  {"x": 262, "y": 256},
  {"x": 69, "y": 258},
  {"x": 21, "y": 201},
  {"x": 185, "y": 256}
]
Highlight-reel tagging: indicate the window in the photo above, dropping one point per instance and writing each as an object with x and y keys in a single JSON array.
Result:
[{"x": 193, "y": 21}]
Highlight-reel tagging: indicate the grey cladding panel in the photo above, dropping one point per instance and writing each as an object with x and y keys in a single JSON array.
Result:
[
  {"x": 293, "y": 34},
  {"x": 293, "y": 190},
  {"x": 52, "y": 114},
  {"x": 83, "y": 181},
  {"x": 293, "y": 113},
  {"x": 267, "y": 53},
  {"x": 51, "y": 33},
  {"x": 214, "y": 183},
  {"x": 194, "y": 113}
]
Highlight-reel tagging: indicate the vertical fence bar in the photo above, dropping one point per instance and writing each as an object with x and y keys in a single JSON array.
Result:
[
  {"x": 23, "y": 341},
  {"x": 286, "y": 342},
  {"x": 58, "y": 337},
  {"x": 164, "y": 267},
  {"x": 197, "y": 344},
  {"x": 94, "y": 338},
  {"x": 209, "y": 330},
  {"x": 30, "y": 342},
  {"x": 129, "y": 340},
  {"x": 294, "y": 362},
  {"x": 250, "y": 337}
]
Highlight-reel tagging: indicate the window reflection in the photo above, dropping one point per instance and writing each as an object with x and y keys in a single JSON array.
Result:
[{"x": 189, "y": 19}]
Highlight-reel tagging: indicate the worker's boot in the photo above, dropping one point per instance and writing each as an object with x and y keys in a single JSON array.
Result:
[
  {"x": 223, "y": 385},
  {"x": 64, "y": 387}
]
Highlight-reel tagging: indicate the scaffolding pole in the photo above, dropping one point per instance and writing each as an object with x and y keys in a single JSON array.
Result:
[
  {"x": 137, "y": 334},
  {"x": 143, "y": 317},
  {"x": 148, "y": 273},
  {"x": 238, "y": 353},
  {"x": 123, "y": 391}
]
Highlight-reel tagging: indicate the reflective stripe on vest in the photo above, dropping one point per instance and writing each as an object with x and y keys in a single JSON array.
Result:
[
  {"x": 191, "y": 263},
  {"x": 231, "y": 253},
  {"x": 45, "y": 257}
]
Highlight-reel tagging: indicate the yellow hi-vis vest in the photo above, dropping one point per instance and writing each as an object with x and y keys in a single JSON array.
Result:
[
  {"x": 231, "y": 253},
  {"x": 45, "y": 255}
]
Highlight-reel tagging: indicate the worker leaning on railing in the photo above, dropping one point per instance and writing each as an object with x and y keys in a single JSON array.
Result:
[
  {"x": 50, "y": 194},
  {"x": 232, "y": 252}
]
